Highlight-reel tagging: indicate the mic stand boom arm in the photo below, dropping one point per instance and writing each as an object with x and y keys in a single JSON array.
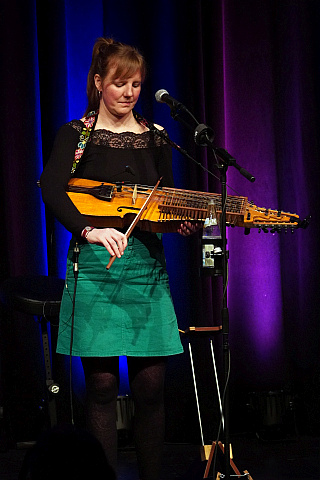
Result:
[
  {"x": 163, "y": 134},
  {"x": 203, "y": 136}
]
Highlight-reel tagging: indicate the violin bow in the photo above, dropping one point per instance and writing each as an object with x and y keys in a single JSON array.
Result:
[{"x": 136, "y": 219}]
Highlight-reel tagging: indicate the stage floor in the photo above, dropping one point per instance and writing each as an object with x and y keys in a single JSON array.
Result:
[{"x": 297, "y": 459}]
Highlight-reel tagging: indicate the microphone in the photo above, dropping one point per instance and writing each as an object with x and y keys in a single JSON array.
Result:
[{"x": 163, "y": 96}]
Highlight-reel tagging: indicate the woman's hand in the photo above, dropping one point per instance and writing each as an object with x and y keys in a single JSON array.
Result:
[
  {"x": 113, "y": 240},
  {"x": 187, "y": 228}
]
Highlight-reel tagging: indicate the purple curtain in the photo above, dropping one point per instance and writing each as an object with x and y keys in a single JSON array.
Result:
[{"x": 250, "y": 70}]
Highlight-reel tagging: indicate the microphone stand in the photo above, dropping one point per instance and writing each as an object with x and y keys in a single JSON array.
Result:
[
  {"x": 203, "y": 136},
  {"x": 227, "y": 160}
]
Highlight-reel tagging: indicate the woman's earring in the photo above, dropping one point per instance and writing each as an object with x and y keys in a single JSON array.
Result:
[{"x": 99, "y": 93}]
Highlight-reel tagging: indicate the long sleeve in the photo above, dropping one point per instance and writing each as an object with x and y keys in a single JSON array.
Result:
[{"x": 55, "y": 177}]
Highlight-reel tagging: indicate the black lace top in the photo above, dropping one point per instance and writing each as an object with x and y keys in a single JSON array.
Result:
[{"x": 109, "y": 157}]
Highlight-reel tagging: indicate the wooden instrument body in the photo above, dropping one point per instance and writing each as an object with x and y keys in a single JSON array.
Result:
[{"x": 168, "y": 208}]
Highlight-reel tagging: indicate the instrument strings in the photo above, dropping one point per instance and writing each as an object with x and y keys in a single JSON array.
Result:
[{"x": 175, "y": 204}]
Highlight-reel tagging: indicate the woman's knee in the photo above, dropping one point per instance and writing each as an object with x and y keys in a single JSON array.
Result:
[
  {"x": 147, "y": 384},
  {"x": 102, "y": 388},
  {"x": 102, "y": 379}
]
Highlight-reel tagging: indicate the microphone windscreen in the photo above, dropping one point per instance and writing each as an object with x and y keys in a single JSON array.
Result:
[{"x": 159, "y": 93}]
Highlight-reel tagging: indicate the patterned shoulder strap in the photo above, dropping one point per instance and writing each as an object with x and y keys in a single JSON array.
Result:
[
  {"x": 89, "y": 122},
  {"x": 140, "y": 119}
]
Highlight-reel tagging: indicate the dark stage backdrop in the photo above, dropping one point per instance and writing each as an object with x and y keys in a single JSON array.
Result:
[{"x": 250, "y": 70}]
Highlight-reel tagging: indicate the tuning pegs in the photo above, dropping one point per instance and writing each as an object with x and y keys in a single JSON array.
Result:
[{"x": 276, "y": 229}]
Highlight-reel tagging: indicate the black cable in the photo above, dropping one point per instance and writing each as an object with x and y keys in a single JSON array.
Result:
[{"x": 76, "y": 252}]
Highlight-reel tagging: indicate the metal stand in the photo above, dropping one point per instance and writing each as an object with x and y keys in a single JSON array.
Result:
[
  {"x": 52, "y": 387},
  {"x": 203, "y": 135}
]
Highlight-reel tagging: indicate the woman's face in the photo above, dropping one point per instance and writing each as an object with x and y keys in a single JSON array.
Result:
[{"x": 119, "y": 95}]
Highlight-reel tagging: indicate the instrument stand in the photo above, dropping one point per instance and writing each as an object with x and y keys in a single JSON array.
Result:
[
  {"x": 238, "y": 474},
  {"x": 208, "y": 451}
]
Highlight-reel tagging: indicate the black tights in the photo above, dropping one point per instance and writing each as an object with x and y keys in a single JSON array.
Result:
[{"x": 146, "y": 379}]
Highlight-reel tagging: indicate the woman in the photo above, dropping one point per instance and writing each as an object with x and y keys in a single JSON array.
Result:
[{"x": 127, "y": 310}]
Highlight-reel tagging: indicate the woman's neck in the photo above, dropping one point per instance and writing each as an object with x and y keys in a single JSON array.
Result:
[{"x": 127, "y": 123}]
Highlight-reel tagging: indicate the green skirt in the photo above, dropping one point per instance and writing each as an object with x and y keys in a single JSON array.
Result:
[{"x": 126, "y": 310}]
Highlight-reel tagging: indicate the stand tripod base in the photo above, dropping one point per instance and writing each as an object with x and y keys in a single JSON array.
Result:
[{"x": 232, "y": 464}]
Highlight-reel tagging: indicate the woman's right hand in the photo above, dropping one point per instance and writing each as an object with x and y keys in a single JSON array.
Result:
[{"x": 113, "y": 240}]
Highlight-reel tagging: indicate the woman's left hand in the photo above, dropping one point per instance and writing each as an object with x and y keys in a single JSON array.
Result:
[{"x": 187, "y": 228}]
